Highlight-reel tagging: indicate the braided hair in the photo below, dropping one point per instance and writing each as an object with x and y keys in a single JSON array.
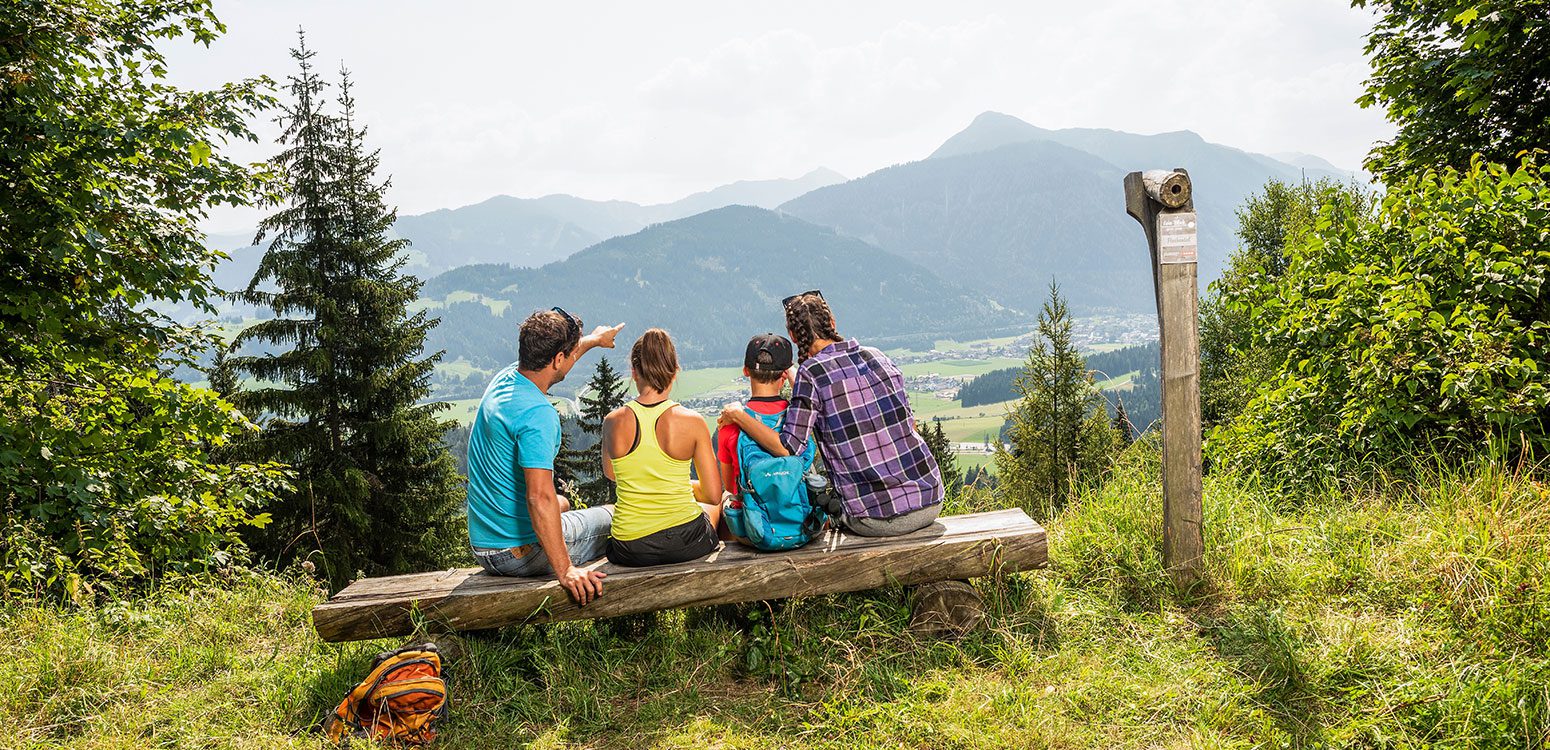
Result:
[{"x": 809, "y": 319}]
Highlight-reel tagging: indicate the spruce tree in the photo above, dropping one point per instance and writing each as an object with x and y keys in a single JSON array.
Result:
[
  {"x": 573, "y": 465},
  {"x": 376, "y": 489},
  {"x": 606, "y": 391},
  {"x": 1122, "y": 424},
  {"x": 1057, "y": 440},
  {"x": 942, "y": 450}
]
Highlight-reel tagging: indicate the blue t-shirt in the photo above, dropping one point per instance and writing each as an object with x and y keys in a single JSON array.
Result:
[{"x": 516, "y": 428}]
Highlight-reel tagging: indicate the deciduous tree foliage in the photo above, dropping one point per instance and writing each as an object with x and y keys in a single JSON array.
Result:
[
  {"x": 1458, "y": 78},
  {"x": 1422, "y": 327},
  {"x": 105, "y": 172},
  {"x": 376, "y": 492},
  {"x": 1232, "y": 361}
]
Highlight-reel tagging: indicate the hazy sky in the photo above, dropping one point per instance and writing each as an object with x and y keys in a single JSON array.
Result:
[{"x": 651, "y": 101}]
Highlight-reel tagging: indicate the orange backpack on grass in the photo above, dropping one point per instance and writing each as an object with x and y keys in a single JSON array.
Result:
[{"x": 400, "y": 701}]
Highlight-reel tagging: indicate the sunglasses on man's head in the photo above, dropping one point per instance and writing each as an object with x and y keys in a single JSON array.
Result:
[
  {"x": 575, "y": 323},
  {"x": 787, "y": 301}
]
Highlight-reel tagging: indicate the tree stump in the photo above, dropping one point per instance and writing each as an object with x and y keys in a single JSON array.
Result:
[
  {"x": 633, "y": 627},
  {"x": 449, "y": 645},
  {"x": 945, "y": 609}
]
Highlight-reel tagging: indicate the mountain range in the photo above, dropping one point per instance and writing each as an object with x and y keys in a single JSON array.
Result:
[
  {"x": 712, "y": 280},
  {"x": 530, "y": 232},
  {"x": 1016, "y": 206},
  {"x": 961, "y": 242}
]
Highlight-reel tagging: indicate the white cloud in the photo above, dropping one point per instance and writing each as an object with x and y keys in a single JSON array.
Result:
[{"x": 647, "y": 102}]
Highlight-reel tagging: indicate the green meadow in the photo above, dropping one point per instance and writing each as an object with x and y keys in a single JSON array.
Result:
[{"x": 1391, "y": 615}]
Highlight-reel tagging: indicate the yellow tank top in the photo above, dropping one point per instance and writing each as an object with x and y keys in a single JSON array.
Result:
[{"x": 653, "y": 487}]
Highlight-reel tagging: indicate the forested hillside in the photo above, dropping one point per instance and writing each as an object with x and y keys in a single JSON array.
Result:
[
  {"x": 1015, "y": 206},
  {"x": 1004, "y": 223},
  {"x": 712, "y": 280}
]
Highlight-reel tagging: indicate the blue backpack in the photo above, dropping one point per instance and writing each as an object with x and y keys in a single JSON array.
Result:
[{"x": 777, "y": 513}]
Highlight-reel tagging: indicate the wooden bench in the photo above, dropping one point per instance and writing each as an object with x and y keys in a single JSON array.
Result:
[{"x": 952, "y": 549}]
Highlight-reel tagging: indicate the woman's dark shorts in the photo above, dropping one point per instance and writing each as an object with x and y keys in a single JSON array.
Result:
[{"x": 680, "y": 543}]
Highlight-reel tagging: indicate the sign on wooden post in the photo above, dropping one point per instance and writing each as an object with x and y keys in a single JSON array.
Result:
[{"x": 1163, "y": 202}]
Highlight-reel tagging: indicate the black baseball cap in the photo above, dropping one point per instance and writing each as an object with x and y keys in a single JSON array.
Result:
[{"x": 768, "y": 352}]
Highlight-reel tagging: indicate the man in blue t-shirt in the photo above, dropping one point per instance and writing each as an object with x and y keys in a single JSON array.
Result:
[{"x": 517, "y": 524}]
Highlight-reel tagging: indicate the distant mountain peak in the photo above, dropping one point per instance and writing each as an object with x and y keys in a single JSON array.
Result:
[
  {"x": 1183, "y": 135},
  {"x": 761, "y": 193},
  {"x": 992, "y": 117},
  {"x": 989, "y": 130},
  {"x": 823, "y": 173},
  {"x": 1301, "y": 159}
]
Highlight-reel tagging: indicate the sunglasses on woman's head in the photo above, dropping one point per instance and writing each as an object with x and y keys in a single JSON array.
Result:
[
  {"x": 575, "y": 323},
  {"x": 787, "y": 301}
]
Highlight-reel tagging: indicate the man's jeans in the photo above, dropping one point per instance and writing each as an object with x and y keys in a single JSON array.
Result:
[{"x": 586, "y": 539}]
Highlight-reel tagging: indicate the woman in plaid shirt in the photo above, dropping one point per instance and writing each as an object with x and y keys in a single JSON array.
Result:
[{"x": 851, "y": 399}]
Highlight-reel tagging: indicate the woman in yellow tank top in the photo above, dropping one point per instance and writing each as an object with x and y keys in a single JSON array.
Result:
[{"x": 660, "y": 516}]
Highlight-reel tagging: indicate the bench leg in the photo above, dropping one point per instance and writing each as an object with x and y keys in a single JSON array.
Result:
[{"x": 945, "y": 609}]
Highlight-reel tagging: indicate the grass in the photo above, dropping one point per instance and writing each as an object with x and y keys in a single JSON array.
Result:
[
  {"x": 1117, "y": 381},
  {"x": 927, "y": 405},
  {"x": 707, "y": 380},
  {"x": 968, "y": 461},
  {"x": 949, "y": 345},
  {"x": 462, "y": 410},
  {"x": 497, "y": 307},
  {"x": 1386, "y": 616},
  {"x": 971, "y": 424},
  {"x": 462, "y": 368},
  {"x": 957, "y": 367}
]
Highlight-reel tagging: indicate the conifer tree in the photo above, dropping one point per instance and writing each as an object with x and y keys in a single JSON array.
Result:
[
  {"x": 1122, "y": 426},
  {"x": 572, "y": 465},
  {"x": 606, "y": 391},
  {"x": 376, "y": 489},
  {"x": 942, "y": 450},
  {"x": 1059, "y": 429},
  {"x": 222, "y": 379}
]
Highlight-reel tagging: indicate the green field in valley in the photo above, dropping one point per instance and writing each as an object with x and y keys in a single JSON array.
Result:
[
  {"x": 708, "y": 380},
  {"x": 462, "y": 410},
  {"x": 957, "y": 367},
  {"x": 1117, "y": 381}
]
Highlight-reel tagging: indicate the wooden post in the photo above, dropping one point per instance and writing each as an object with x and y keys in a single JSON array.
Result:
[{"x": 1163, "y": 202}]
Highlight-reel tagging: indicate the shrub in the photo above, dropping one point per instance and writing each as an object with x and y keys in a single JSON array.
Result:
[
  {"x": 106, "y": 470},
  {"x": 1424, "y": 327},
  {"x": 107, "y": 481}
]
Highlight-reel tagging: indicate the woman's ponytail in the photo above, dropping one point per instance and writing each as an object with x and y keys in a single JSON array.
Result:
[{"x": 654, "y": 359}]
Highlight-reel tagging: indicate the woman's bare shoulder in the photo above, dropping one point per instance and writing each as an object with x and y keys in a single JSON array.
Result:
[{"x": 685, "y": 415}]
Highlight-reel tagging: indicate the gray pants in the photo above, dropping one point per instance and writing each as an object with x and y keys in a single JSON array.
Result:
[{"x": 899, "y": 525}]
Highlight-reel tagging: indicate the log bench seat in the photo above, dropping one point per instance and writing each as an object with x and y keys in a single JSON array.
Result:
[{"x": 465, "y": 599}]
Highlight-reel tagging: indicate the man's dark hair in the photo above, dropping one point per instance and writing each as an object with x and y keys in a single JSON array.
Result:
[
  {"x": 764, "y": 378},
  {"x": 544, "y": 336}
]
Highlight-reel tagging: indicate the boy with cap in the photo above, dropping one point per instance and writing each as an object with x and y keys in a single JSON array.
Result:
[{"x": 766, "y": 362}]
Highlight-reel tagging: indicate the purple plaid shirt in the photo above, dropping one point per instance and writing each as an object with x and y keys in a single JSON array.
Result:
[{"x": 852, "y": 399}]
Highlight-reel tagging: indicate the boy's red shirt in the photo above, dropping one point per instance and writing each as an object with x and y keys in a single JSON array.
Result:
[{"x": 726, "y": 437}]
